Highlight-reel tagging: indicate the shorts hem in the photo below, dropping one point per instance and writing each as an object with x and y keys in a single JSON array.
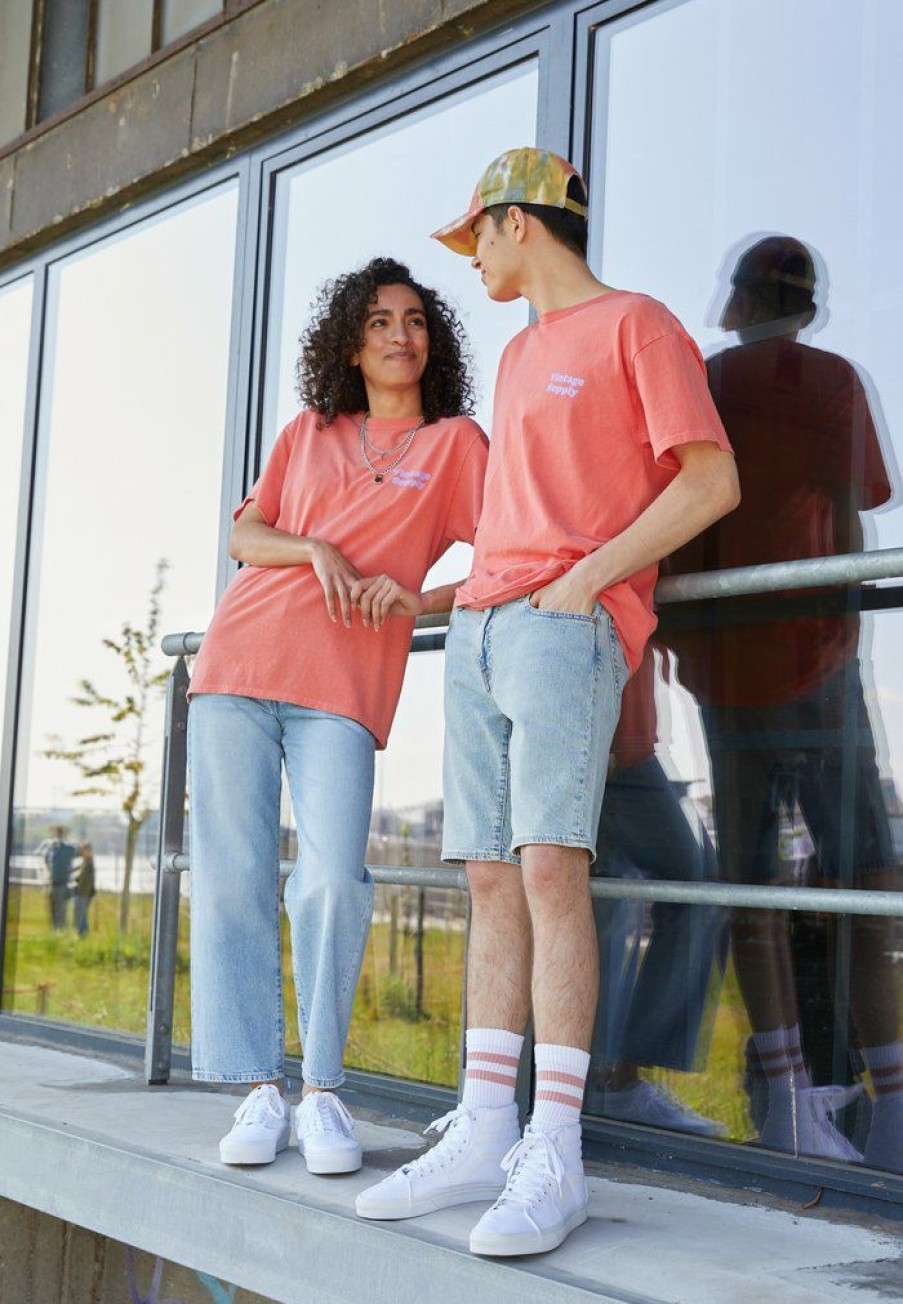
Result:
[
  {"x": 499, "y": 857},
  {"x": 580, "y": 844}
]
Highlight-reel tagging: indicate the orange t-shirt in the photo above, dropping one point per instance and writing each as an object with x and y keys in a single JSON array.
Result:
[
  {"x": 810, "y": 460},
  {"x": 589, "y": 404},
  {"x": 271, "y": 636}
]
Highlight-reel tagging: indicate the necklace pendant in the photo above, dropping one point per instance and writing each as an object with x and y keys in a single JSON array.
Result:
[{"x": 378, "y": 479}]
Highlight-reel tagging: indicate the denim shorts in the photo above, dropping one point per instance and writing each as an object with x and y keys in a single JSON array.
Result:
[{"x": 531, "y": 703}]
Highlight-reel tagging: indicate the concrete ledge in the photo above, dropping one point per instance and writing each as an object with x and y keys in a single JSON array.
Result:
[{"x": 85, "y": 1141}]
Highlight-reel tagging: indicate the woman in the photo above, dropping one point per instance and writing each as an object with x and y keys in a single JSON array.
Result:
[
  {"x": 302, "y": 665},
  {"x": 83, "y": 889}
]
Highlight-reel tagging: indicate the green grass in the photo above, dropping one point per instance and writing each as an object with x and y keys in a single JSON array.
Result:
[{"x": 101, "y": 980}]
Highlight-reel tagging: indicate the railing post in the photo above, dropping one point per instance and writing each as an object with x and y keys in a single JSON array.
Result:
[{"x": 161, "y": 989}]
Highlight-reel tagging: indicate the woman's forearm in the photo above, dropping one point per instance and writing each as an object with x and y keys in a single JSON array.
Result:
[
  {"x": 439, "y": 600},
  {"x": 258, "y": 544}
]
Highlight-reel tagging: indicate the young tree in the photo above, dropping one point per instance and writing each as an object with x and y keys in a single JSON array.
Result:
[{"x": 113, "y": 761}]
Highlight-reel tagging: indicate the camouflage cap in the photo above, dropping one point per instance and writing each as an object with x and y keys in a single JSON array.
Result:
[{"x": 519, "y": 176}]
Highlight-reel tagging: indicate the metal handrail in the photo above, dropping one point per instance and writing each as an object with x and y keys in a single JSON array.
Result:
[
  {"x": 823, "y": 900},
  {"x": 844, "y": 569}
]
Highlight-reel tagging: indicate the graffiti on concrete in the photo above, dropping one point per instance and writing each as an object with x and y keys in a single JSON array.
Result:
[
  {"x": 135, "y": 1294},
  {"x": 219, "y": 1292}
]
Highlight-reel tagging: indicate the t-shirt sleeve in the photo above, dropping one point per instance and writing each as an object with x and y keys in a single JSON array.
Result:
[
  {"x": 466, "y": 500},
  {"x": 266, "y": 492},
  {"x": 672, "y": 387},
  {"x": 852, "y": 447}
]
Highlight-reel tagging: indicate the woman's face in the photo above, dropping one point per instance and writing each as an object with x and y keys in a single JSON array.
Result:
[{"x": 396, "y": 343}]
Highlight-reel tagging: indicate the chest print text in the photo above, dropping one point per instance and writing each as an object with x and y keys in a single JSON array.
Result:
[
  {"x": 565, "y": 385},
  {"x": 410, "y": 479}
]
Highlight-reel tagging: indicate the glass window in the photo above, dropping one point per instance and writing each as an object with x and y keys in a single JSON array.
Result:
[
  {"x": 124, "y": 547},
  {"x": 383, "y": 194},
  {"x": 179, "y": 16},
  {"x": 124, "y": 36},
  {"x": 763, "y": 208},
  {"x": 64, "y": 54},
  {"x": 15, "y": 61},
  {"x": 15, "y": 325}
]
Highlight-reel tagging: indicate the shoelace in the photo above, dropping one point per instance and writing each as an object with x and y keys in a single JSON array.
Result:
[
  {"x": 259, "y": 1106},
  {"x": 435, "y": 1158},
  {"x": 327, "y": 1114},
  {"x": 530, "y": 1163}
]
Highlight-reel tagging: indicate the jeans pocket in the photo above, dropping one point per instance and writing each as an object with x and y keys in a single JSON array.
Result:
[{"x": 561, "y": 615}]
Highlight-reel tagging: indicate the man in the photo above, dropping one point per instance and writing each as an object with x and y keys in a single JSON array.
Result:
[
  {"x": 607, "y": 454},
  {"x": 59, "y": 858}
]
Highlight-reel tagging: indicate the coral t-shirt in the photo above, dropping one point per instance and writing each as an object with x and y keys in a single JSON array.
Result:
[
  {"x": 810, "y": 460},
  {"x": 271, "y": 636},
  {"x": 589, "y": 405}
]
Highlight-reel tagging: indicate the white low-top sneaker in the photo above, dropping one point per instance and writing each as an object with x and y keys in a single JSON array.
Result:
[
  {"x": 545, "y": 1197},
  {"x": 261, "y": 1129},
  {"x": 464, "y": 1166},
  {"x": 325, "y": 1132},
  {"x": 657, "y": 1107}
]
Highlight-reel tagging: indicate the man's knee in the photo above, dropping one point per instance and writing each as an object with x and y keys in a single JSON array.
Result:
[
  {"x": 494, "y": 888},
  {"x": 555, "y": 875}
]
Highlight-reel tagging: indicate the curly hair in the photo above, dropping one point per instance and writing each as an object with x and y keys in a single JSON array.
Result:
[{"x": 326, "y": 380}]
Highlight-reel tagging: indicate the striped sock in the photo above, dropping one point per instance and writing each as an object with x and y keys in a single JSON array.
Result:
[
  {"x": 795, "y": 1055},
  {"x": 490, "y": 1067},
  {"x": 885, "y": 1069},
  {"x": 774, "y": 1058},
  {"x": 560, "y": 1082}
]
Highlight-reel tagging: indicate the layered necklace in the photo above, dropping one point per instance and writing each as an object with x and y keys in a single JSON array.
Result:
[{"x": 407, "y": 439}]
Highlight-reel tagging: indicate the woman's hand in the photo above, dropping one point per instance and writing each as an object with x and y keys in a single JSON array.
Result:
[
  {"x": 379, "y": 596},
  {"x": 336, "y": 575}
]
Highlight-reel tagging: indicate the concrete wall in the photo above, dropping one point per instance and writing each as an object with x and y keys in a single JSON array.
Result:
[
  {"x": 46, "y": 1261},
  {"x": 269, "y": 67}
]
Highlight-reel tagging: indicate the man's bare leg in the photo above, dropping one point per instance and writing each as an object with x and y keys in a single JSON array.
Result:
[
  {"x": 565, "y": 984},
  {"x": 500, "y": 950}
]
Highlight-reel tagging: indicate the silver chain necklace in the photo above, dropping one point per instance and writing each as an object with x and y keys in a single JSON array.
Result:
[{"x": 380, "y": 474}]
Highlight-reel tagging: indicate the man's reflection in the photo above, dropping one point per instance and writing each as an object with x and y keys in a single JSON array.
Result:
[
  {"x": 652, "y": 1010},
  {"x": 779, "y": 685}
]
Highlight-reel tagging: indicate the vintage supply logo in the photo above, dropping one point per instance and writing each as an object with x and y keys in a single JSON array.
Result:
[
  {"x": 410, "y": 479},
  {"x": 565, "y": 385}
]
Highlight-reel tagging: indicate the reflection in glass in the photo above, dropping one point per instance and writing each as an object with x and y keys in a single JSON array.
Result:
[
  {"x": 780, "y": 686},
  {"x": 661, "y": 973},
  {"x": 783, "y": 720},
  {"x": 124, "y": 544}
]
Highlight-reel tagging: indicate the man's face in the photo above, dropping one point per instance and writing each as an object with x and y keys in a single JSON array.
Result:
[{"x": 497, "y": 258}]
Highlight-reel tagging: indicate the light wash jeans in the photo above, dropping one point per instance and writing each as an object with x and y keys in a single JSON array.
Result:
[{"x": 236, "y": 748}]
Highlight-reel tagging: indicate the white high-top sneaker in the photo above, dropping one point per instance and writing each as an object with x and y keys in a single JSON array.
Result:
[
  {"x": 545, "y": 1197},
  {"x": 465, "y": 1165},
  {"x": 261, "y": 1129},
  {"x": 801, "y": 1123}
]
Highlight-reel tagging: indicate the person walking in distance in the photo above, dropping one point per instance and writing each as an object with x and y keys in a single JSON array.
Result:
[{"x": 607, "y": 454}]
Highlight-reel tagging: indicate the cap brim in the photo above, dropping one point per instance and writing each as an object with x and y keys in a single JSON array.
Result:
[{"x": 458, "y": 236}]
